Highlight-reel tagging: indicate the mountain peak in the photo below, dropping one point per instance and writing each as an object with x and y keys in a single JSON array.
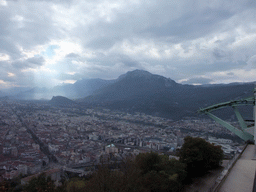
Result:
[
  {"x": 147, "y": 76},
  {"x": 139, "y": 72},
  {"x": 60, "y": 100},
  {"x": 135, "y": 73}
]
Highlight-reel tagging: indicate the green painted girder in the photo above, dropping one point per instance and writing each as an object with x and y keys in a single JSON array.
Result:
[
  {"x": 247, "y": 101},
  {"x": 239, "y": 132},
  {"x": 240, "y": 119}
]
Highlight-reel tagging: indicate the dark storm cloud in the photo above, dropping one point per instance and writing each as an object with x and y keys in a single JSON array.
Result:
[
  {"x": 158, "y": 19},
  {"x": 129, "y": 62},
  {"x": 7, "y": 44},
  {"x": 102, "y": 43},
  {"x": 112, "y": 59},
  {"x": 26, "y": 25},
  {"x": 101, "y": 36},
  {"x": 177, "y": 39},
  {"x": 191, "y": 25},
  {"x": 37, "y": 28},
  {"x": 5, "y": 21},
  {"x": 29, "y": 63},
  {"x": 36, "y": 60},
  {"x": 20, "y": 64},
  {"x": 23, "y": 26},
  {"x": 230, "y": 74},
  {"x": 206, "y": 67},
  {"x": 219, "y": 54}
]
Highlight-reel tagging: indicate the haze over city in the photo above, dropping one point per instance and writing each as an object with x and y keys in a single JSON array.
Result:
[
  {"x": 47, "y": 43},
  {"x": 127, "y": 95}
]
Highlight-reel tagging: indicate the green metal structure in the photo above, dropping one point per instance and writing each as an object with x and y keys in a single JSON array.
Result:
[{"x": 240, "y": 132}]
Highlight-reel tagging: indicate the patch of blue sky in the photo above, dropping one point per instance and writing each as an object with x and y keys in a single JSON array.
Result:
[{"x": 50, "y": 51}]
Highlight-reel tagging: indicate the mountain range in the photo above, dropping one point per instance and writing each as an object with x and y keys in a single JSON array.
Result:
[
  {"x": 156, "y": 95},
  {"x": 79, "y": 89},
  {"x": 142, "y": 91}
]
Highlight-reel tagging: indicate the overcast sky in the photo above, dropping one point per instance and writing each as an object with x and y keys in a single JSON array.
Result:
[{"x": 49, "y": 42}]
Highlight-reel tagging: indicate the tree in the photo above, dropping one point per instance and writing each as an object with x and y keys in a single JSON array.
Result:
[
  {"x": 148, "y": 172},
  {"x": 75, "y": 185},
  {"x": 200, "y": 156},
  {"x": 148, "y": 162},
  {"x": 40, "y": 184},
  {"x": 104, "y": 179},
  {"x": 158, "y": 173}
]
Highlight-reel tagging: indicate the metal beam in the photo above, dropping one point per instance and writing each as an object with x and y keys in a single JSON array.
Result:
[
  {"x": 240, "y": 119},
  {"x": 243, "y": 135},
  {"x": 247, "y": 101}
]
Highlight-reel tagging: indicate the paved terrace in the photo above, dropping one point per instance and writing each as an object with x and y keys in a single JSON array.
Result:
[{"x": 241, "y": 176}]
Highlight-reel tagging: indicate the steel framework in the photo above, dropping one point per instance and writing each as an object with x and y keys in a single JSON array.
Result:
[{"x": 241, "y": 132}]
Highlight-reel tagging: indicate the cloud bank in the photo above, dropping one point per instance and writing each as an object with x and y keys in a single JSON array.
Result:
[{"x": 46, "y": 43}]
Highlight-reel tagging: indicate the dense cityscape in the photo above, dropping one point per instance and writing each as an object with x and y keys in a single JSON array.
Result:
[
  {"x": 110, "y": 95},
  {"x": 36, "y": 137}
]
